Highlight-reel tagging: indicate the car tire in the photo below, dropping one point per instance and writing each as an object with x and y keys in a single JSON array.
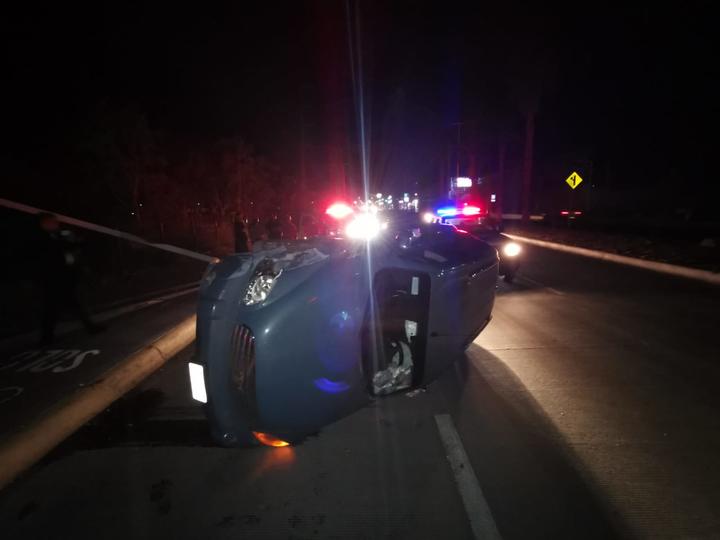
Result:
[{"x": 509, "y": 277}]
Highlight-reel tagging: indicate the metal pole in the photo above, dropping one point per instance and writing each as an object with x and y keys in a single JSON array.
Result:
[{"x": 528, "y": 165}]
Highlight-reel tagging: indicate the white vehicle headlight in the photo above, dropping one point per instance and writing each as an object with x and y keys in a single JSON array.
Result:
[
  {"x": 363, "y": 226},
  {"x": 261, "y": 283},
  {"x": 512, "y": 249}
]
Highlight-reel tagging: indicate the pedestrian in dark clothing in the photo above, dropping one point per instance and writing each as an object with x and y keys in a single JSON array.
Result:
[
  {"x": 243, "y": 244},
  {"x": 274, "y": 229},
  {"x": 59, "y": 277}
]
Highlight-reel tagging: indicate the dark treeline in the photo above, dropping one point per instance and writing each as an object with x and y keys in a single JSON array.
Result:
[{"x": 109, "y": 166}]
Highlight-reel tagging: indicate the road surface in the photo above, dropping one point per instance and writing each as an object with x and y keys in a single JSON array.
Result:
[
  {"x": 33, "y": 378},
  {"x": 587, "y": 409}
]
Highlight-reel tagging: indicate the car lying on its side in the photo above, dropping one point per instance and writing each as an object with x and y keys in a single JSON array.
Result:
[{"x": 295, "y": 335}]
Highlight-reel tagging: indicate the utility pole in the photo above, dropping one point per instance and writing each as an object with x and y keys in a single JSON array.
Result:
[
  {"x": 528, "y": 164},
  {"x": 457, "y": 155},
  {"x": 500, "y": 188}
]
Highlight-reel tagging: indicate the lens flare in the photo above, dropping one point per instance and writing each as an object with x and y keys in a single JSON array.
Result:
[{"x": 363, "y": 226}]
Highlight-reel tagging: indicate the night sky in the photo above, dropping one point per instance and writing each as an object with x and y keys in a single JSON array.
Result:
[{"x": 632, "y": 91}]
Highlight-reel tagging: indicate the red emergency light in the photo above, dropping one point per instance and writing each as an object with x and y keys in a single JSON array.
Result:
[
  {"x": 470, "y": 210},
  {"x": 339, "y": 210}
]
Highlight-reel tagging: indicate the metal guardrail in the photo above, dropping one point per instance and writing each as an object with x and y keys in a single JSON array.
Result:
[
  {"x": 106, "y": 230},
  {"x": 655, "y": 266}
]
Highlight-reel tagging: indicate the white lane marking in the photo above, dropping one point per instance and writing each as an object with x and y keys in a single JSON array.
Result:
[
  {"x": 541, "y": 285},
  {"x": 476, "y": 507}
]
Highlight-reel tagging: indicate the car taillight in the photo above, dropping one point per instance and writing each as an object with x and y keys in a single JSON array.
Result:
[{"x": 564, "y": 213}]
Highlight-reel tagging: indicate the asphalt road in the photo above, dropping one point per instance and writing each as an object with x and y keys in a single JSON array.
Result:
[
  {"x": 34, "y": 378},
  {"x": 587, "y": 409}
]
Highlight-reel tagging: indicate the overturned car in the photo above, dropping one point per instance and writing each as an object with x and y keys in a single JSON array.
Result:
[{"x": 296, "y": 335}]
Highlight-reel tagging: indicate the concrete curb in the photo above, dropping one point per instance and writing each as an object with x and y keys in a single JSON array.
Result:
[
  {"x": 664, "y": 268},
  {"x": 25, "y": 448}
]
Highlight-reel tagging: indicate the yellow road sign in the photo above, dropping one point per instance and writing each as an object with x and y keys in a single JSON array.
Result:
[{"x": 573, "y": 180}]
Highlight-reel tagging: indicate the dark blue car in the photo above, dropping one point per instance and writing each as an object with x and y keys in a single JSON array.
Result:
[{"x": 296, "y": 335}]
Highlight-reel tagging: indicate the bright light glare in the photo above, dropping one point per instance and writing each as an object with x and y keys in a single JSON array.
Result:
[
  {"x": 463, "y": 182},
  {"x": 470, "y": 211},
  {"x": 428, "y": 217},
  {"x": 511, "y": 249},
  {"x": 339, "y": 210},
  {"x": 363, "y": 226},
  {"x": 197, "y": 382}
]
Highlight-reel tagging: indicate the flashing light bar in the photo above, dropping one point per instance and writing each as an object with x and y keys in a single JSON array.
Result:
[
  {"x": 339, "y": 210},
  {"x": 447, "y": 211},
  {"x": 450, "y": 211}
]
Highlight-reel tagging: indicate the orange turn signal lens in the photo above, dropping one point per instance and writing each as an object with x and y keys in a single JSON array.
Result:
[{"x": 269, "y": 440}]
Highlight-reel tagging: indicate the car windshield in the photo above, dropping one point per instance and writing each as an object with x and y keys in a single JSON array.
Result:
[{"x": 359, "y": 269}]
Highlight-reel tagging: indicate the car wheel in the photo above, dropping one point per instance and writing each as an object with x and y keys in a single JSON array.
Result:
[{"x": 509, "y": 276}]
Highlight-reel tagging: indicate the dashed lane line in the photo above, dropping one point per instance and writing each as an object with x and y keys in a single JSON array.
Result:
[{"x": 476, "y": 507}]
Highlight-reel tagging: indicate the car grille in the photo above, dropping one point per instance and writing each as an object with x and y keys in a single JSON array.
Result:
[{"x": 242, "y": 350}]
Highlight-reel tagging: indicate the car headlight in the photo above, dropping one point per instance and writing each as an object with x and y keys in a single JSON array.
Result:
[
  {"x": 512, "y": 249},
  {"x": 261, "y": 283},
  {"x": 363, "y": 226}
]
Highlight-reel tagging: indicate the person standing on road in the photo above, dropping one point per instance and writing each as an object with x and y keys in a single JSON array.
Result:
[{"x": 58, "y": 251}]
